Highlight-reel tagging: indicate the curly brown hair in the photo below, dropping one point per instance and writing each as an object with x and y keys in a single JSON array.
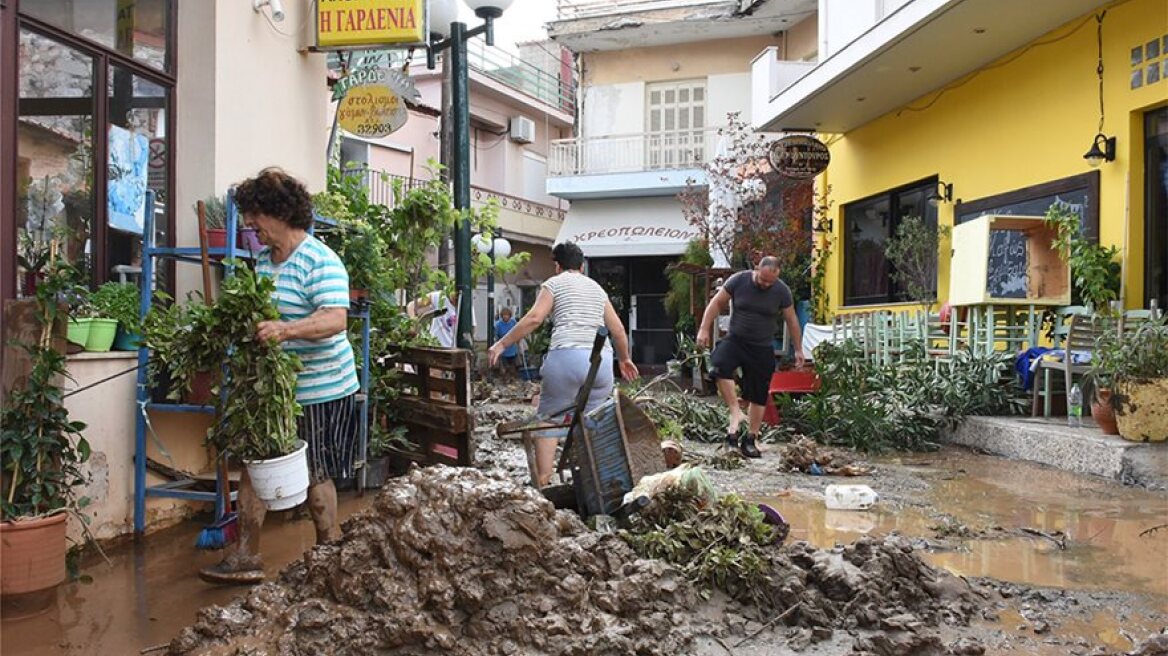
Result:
[{"x": 277, "y": 194}]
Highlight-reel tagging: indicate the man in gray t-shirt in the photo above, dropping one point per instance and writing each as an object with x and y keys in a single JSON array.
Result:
[{"x": 757, "y": 296}]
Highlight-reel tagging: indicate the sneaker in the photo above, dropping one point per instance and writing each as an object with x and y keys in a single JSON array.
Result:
[{"x": 748, "y": 447}]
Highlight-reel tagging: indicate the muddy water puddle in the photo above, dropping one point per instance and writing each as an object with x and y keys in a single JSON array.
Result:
[
  {"x": 995, "y": 499},
  {"x": 149, "y": 593}
]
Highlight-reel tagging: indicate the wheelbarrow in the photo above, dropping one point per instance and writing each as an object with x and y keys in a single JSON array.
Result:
[{"x": 607, "y": 450}]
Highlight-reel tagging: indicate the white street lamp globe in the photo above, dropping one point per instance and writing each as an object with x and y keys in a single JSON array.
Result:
[
  {"x": 442, "y": 14},
  {"x": 502, "y": 247},
  {"x": 488, "y": 8},
  {"x": 482, "y": 243}
]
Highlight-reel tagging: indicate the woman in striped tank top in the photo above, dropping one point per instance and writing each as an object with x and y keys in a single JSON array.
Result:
[
  {"x": 578, "y": 306},
  {"x": 312, "y": 297}
]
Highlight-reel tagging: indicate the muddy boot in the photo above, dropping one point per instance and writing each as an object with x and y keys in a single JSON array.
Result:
[
  {"x": 242, "y": 565},
  {"x": 236, "y": 569},
  {"x": 748, "y": 446},
  {"x": 322, "y": 505},
  {"x": 731, "y": 443}
]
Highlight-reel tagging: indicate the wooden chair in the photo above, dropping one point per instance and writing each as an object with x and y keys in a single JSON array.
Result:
[{"x": 1081, "y": 336}]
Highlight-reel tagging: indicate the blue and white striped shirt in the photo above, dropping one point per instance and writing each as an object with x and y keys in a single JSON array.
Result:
[{"x": 312, "y": 278}]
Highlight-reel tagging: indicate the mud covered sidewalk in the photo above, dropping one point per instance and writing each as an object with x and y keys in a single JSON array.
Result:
[{"x": 964, "y": 554}]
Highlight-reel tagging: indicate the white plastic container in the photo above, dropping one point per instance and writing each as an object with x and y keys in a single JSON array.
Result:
[
  {"x": 850, "y": 497},
  {"x": 281, "y": 483}
]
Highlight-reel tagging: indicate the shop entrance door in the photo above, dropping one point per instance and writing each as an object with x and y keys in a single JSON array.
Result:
[
  {"x": 1156, "y": 207},
  {"x": 637, "y": 286}
]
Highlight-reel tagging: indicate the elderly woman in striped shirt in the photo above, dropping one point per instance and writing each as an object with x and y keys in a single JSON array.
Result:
[{"x": 312, "y": 297}]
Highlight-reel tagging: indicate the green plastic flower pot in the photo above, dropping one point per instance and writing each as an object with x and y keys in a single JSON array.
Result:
[
  {"x": 101, "y": 334},
  {"x": 79, "y": 331}
]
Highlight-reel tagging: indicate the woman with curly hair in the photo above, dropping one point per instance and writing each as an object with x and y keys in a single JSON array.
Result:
[{"x": 312, "y": 297}]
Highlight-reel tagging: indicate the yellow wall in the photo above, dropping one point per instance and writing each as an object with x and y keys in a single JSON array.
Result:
[{"x": 1023, "y": 120}]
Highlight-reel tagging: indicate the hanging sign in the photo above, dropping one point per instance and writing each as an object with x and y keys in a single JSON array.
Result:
[
  {"x": 357, "y": 23},
  {"x": 373, "y": 101},
  {"x": 799, "y": 157}
]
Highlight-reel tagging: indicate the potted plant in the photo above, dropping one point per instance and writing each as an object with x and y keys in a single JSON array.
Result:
[
  {"x": 257, "y": 414},
  {"x": 41, "y": 454},
  {"x": 177, "y": 371},
  {"x": 387, "y": 447},
  {"x": 1106, "y": 362},
  {"x": 1094, "y": 269},
  {"x": 1140, "y": 395},
  {"x": 119, "y": 301}
]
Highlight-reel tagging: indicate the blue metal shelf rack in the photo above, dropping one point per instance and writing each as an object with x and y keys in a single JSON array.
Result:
[{"x": 223, "y": 257}]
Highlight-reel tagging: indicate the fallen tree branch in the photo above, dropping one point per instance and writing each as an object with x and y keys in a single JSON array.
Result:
[
  {"x": 1149, "y": 531},
  {"x": 1058, "y": 537},
  {"x": 781, "y": 616}
]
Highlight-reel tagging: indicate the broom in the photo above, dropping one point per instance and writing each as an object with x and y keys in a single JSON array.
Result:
[{"x": 225, "y": 529}]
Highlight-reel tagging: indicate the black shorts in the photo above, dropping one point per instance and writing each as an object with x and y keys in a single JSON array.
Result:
[{"x": 757, "y": 362}]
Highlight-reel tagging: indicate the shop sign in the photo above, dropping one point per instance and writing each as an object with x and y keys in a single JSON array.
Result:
[
  {"x": 373, "y": 101},
  {"x": 635, "y": 231},
  {"x": 799, "y": 157},
  {"x": 358, "y": 23}
]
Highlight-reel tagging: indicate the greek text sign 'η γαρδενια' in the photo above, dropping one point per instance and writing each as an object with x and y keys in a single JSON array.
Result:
[{"x": 352, "y": 23}]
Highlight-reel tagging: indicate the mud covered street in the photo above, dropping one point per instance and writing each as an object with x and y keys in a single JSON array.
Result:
[{"x": 963, "y": 554}]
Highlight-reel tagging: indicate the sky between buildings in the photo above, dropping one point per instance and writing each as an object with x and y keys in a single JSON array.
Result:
[{"x": 524, "y": 20}]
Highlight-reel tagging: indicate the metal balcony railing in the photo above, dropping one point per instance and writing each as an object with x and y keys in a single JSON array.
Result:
[
  {"x": 556, "y": 89},
  {"x": 631, "y": 153},
  {"x": 574, "y": 9},
  {"x": 380, "y": 186}
]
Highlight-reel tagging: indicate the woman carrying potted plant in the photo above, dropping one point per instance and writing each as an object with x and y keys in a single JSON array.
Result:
[{"x": 312, "y": 297}]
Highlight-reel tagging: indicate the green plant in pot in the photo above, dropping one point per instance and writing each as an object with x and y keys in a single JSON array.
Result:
[
  {"x": 1095, "y": 270},
  {"x": 1106, "y": 365},
  {"x": 178, "y": 363},
  {"x": 1140, "y": 376},
  {"x": 41, "y": 454},
  {"x": 120, "y": 301},
  {"x": 388, "y": 451}
]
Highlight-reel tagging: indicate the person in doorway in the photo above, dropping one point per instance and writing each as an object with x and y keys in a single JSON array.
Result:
[
  {"x": 578, "y": 307},
  {"x": 444, "y": 308},
  {"x": 312, "y": 297},
  {"x": 757, "y": 297},
  {"x": 510, "y": 358}
]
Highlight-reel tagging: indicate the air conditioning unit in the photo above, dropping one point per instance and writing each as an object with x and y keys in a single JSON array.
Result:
[{"x": 522, "y": 129}]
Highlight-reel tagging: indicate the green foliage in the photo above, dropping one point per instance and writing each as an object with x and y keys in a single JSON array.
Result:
[
  {"x": 41, "y": 449},
  {"x": 1095, "y": 270},
  {"x": 1143, "y": 354},
  {"x": 118, "y": 300},
  {"x": 913, "y": 252},
  {"x": 901, "y": 406},
  {"x": 677, "y": 299},
  {"x": 383, "y": 440},
  {"x": 257, "y": 416},
  {"x": 697, "y": 419},
  {"x": 722, "y": 544}
]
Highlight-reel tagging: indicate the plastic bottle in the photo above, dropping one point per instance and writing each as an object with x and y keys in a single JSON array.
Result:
[
  {"x": 1075, "y": 406},
  {"x": 850, "y": 497}
]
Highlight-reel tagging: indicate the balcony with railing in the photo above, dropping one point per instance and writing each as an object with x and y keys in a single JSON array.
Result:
[
  {"x": 518, "y": 216},
  {"x": 648, "y": 163},
  {"x": 556, "y": 89}
]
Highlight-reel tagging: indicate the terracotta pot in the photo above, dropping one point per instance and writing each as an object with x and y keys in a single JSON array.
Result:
[
  {"x": 33, "y": 555},
  {"x": 1142, "y": 415},
  {"x": 1103, "y": 413}
]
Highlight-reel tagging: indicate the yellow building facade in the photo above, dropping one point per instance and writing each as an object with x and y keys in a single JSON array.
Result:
[{"x": 1007, "y": 132}]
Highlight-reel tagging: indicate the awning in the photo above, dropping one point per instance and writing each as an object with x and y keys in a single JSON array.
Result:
[{"x": 627, "y": 227}]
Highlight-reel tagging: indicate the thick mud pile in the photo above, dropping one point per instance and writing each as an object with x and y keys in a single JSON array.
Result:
[{"x": 454, "y": 561}]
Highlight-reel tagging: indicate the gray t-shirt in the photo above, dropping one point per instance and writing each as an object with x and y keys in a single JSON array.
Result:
[{"x": 755, "y": 310}]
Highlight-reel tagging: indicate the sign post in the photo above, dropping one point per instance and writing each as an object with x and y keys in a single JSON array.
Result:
[
  {"x": 373, "y": 101},
  {"x": 799, "y": 157},
  {"x": 346, "y": 24}
]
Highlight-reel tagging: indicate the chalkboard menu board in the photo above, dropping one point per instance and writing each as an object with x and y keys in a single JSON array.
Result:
[
  {"x": 1008, "y": 263},
  {"x": 1078, "y": 194}
]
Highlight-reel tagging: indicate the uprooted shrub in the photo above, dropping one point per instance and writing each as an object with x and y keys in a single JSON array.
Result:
[{"x": 899, "y": 406}]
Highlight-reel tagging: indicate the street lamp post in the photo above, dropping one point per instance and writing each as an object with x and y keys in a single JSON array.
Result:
[
  {"x": 444, "y": 12},
  {"x": 495, "y": 247}
]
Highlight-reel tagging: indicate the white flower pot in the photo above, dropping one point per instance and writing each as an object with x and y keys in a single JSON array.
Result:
[{"x": 281, "y": 483}]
